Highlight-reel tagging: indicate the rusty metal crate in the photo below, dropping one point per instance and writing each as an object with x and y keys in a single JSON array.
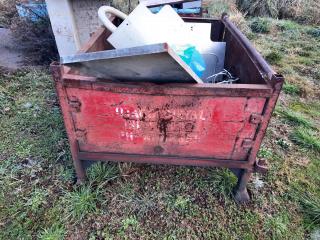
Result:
[{"x": 212, "y": 125}]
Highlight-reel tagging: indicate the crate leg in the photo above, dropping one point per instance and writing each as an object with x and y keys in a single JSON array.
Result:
[
  {"x": 240, "y": 192},
  {"x": 80, "y": 171}
]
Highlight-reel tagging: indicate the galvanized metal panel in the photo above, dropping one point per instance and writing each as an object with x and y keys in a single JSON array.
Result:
[
  {"x": 152, "y": 63},
  {"x": 73, "y": 22},
  {"x": 64, "y": 26}
]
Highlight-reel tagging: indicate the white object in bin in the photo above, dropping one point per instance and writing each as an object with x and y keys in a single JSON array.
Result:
[
  {"x": 213, "y": 53},
  {"x": 142, "y": 27}
]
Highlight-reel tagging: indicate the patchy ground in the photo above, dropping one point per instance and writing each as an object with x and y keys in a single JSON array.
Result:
[
  {"x": 11, "y": 55},
  {"x": 129, "y": 201}
]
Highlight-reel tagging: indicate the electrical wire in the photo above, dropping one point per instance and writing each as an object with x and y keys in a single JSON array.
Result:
[{"x": 230, "y": 79}]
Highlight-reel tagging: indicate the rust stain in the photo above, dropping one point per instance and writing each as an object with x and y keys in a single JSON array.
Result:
[
  {"x": 170, "y": 121},
  {"x": 162, "y": 125}
]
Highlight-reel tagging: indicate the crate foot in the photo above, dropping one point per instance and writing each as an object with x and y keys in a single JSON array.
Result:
[
  {"x": 240, "y": 192},
  {"x": 80, "y": 181},
  {"x": 242, "y": 196}
]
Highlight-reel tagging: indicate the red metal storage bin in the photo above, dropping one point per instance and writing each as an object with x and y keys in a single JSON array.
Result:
[{"x": 213, "y": 125}]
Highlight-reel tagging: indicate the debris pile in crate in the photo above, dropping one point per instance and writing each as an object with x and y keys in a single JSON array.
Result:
[{"x": 155, "y": 47}]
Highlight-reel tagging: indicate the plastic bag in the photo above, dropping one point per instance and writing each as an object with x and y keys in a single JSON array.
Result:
[{"x": 192, "y": 57}]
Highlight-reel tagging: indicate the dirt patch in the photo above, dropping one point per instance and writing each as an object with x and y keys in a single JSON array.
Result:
[{"x": 11, "y": 56}]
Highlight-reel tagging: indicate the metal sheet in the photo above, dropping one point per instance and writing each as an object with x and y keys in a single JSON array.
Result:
[{"x": 152, "y": 63}]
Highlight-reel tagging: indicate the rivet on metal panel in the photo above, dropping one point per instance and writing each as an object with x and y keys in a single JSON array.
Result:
[
  {"x": 81, "y": 135},
  {"x": 255, "y": 118},
  {"x": 75, "y": 104},
  {"x": 247, "y": 143}
]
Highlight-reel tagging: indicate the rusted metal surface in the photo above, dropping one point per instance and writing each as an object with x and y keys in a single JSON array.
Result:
[
  {"x": 181, "y": 124},
  {"x": 200, "y": 126},
  {"x": 216, "y": 90},
  {"x": 57, "y": 73}
]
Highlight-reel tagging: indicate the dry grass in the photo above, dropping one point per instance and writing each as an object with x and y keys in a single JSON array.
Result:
[
  {"x": 125, "y": 6},
  {"x": 215, "y": 8},
  {"x": 7, "y": 12},
  {"x": 306, "y": 11},
  {"x": 36, "y": 39}
]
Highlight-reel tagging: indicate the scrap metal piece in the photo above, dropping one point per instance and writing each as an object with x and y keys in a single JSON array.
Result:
[{"x": 153, "y": 63}]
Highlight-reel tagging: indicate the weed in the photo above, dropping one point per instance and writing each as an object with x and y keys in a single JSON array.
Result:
[
  {"x": 305, "y": 60},
  {"x": 181, "y": 203},
  {"x": 311, "y": 208},
  {"x": 305, "y": 138},
  {"x": 306, "y": 11},
  {"x": 218, "y": 8},
  {"x": 260, "y": 25},
  {"x": 66, "y": 174},
  {"x": 312, "y": 108},
  {"x": 291, "y": 89},
  {"x": 55, "y": 232},
  {"x": 296, "y": 118},
  {"x": 314, "y": 32},
  {"x": 130, "y": 222},
  {"x": 278, "y": 225},
  {"x": 7, "y": 12},
  {"x": 274, "y": 57},
  {"x": 37, "y": 199},
  {"x": 304, "y": 53},
  {"x": 265, "y": 153},
  {"x": 283, "y": 143},
  {"x": 224, "y": 181},
  {"x": 141, "y": 204},
  {"x": 39, "y": 50},
  {"x": 80, "y": 202},
  {"x": 102, "y": 172},
  {"x": 286, "y": 25}
]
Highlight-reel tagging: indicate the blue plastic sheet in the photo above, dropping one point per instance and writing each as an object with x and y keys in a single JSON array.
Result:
[
  {"x": 32, "y": 11},
  {"x": 192, "y": 57}
]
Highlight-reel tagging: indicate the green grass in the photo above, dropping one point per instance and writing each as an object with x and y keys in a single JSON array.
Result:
[
  {"x": 296, "y": 118},
  {"x": 311, "y": 208},
  {"x": 38, "y": 198},
  {"x": 314, "y": 32},
  {"x": 311, "y": 109},
  {"x": 291, "y": 89},
  {"x": 274, "y": 57},
  {"x": 261, "y": 25},
  {"x": 81, "y": 202},
  {"x": 287, "y": 25},
  {"x": 54, "y": 232},
  {"x": 306, "y": 138},
  {"x": 102, "y": 172}
]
